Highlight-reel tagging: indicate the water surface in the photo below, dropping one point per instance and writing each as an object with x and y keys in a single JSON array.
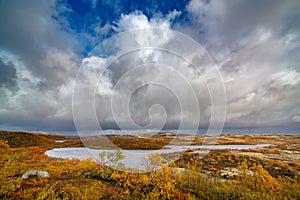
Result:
[{"x": 134, "y": 158}]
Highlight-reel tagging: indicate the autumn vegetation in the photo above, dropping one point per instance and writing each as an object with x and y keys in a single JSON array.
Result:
[
  {"x": 192, "y": 176},
  {"x": 48, "y": 141}
]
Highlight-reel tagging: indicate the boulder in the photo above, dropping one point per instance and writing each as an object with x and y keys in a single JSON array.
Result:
[
  {"x": 35, "y": 173},
  {"x": 231, "y": 173}
]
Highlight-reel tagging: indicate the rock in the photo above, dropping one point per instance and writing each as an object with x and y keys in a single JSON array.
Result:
[
  {"x": 231, "y": 173},
  {"x": 35, "y": 173},
  {"x": 179, "y": 170}
]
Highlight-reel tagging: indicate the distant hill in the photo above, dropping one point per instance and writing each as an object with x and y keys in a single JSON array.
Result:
[{"x": 24, "y": 139}]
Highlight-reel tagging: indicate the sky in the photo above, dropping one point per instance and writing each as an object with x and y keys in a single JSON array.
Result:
[{"x": 255, "y": 46}]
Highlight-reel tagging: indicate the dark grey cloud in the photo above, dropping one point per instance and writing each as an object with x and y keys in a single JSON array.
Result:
[
  {"x": 8, "y": 76},
  {"x": 29, "y": 30}
]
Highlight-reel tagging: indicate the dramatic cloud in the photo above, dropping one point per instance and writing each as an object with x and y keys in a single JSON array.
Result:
[
  {"x": 128, "y": 81},
  {"x": 37, "y": 59},
  {"x": 254, "y": 43}
]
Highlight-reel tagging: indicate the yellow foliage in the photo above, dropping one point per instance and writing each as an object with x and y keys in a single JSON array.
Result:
[{"x": 76, "y": 179}]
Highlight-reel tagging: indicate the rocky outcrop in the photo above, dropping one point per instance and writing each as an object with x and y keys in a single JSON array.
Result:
[
  {"x": 231, "y": 173},
  {"x": 35, "y": 173}
]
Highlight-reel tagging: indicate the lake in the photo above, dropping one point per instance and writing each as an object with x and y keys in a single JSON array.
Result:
[{"x": 133, "y": 158}]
